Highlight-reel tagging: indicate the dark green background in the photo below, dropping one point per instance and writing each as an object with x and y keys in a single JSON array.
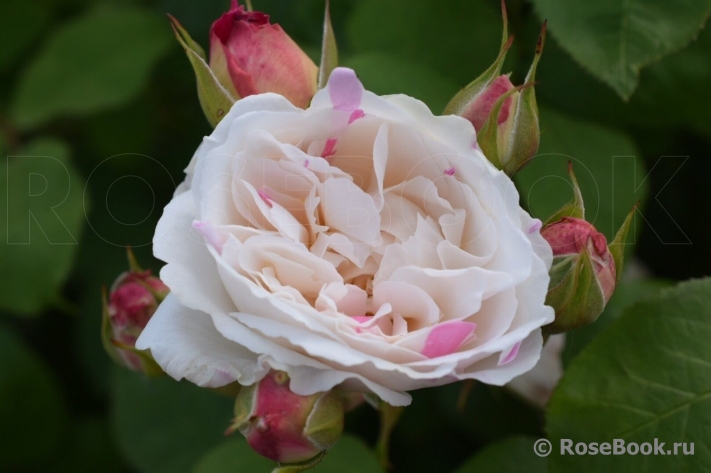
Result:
[{"x": 101, "y": 87}]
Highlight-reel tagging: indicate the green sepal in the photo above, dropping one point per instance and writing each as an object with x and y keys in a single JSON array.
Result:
[
  {"x": 215, "y": 100},
  {"x": 525, "y": 139},
  {"x": 574, "y": 208},
  {"x": 329, "y": 49},
  {"x": 574, "y": 293},
  {"x": 150, "y": 367},
  {"x": 184, "y": 37},
  {"x": 245, "y": 403},
  {"x": 488, "y": 137},
  {"x": 469, "y": 94},
  {"x": 133, "y": 265},
  {"x": 302, "y": 466},
  {"x": 617, "y": 246},
  {"x": 324, "y": 424}
]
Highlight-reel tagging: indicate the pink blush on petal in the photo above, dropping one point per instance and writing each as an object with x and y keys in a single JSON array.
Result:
[
  {"x": 447, "y": 338},
  {"x": 265, "y": 197},
  {"x": 209, "y": 233},
  {"x": 345, "y": 89},
  {"x": 535, "y": 227},
  {"x": 511, "y": 355},
  {"x": 330, "y": 148},
  {"x": 357, "y": 113}
]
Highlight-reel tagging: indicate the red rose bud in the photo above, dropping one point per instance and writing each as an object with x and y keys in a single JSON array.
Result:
[
  {"x": 284, "y": 426},
  {"x": 249, "y": 55},
  {"x": 505, "y": 117},
  {"x": 133, "y": 299}
]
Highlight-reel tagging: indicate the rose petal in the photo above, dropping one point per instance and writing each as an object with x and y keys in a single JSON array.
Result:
[
  {"x": 345, "y": 89},
  {"x": 185, "y": 343},
  {"x": 447, "y": 338}
]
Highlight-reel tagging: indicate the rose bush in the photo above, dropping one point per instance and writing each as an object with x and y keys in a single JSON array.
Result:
[{"x": 362, "y": 243}]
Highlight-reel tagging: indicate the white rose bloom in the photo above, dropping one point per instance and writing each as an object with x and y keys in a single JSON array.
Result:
[{"x": 362, "y": 243}]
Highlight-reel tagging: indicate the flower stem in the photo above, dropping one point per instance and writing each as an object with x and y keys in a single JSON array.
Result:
[
  {"x": 389, "y": 415},
  {"x": 464, "y": 393}
]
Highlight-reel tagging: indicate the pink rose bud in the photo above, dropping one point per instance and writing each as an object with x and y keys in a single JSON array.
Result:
[
  {"x": 133, "y": 299},
  {"x": 585, "y": 268},
  {"x": 249, "y": 55},
  {"x": 571, "y": 237},
  {"x": 283, "y": 426},
  {"x": 505, "y": 117}
]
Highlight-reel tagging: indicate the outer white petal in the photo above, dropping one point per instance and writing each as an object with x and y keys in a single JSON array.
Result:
[
  {"x": 308, "y": 376},
  {"x": 190, "y": 273},
  {"x": 185, "y": 343}
]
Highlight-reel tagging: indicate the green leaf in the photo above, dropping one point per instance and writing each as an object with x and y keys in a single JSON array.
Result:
[
  {"x": 458, "y": 39},
  {"x": 45, "y": 215},
  {"x": 627, "y": 293},
  {"x": 99, "y": 61},
  {"x": 232, "y": 456},
  {"x": 32, "y": 412},
  {"x": 163, "y": 426},
  {"x": 21, "y": 22},
  {"x": 671, "y": 92},
  {"x": 387, "y": 74},
  {"x": 648, "y": 376},
  {"x": 607, "y": 166},
  {"x": 614, "y": 39},
  {"x": 512, "y": 455}
]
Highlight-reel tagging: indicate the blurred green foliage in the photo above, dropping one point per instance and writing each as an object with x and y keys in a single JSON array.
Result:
[{"x": 99, "y": 115}]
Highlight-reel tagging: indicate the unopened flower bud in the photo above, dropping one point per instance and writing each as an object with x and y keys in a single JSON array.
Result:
[
  {"x": 133, "y": 299},
  {"x": 505, "y": 117},
  {"x": 585, "y": 268},
  {"x": 583, "y": 273},
  {"x": 284, "y": 426},
  {"x": 249, "y": 55}
]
